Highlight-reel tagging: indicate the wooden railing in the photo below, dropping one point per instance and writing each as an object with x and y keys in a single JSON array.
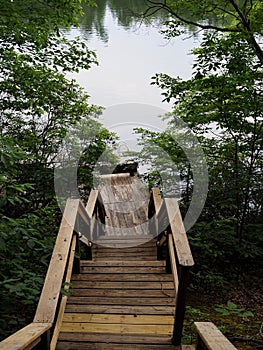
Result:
[
  {"x": 166, "y": 221},
  {"x": 78, "y": 223},
  {"x": 210, "y": 337}
]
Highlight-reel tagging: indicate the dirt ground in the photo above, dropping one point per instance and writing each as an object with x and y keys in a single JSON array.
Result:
[{"x": 246, "y": 333}]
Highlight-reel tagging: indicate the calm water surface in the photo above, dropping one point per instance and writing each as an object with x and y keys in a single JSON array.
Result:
[{"x": 129, "y": 54}]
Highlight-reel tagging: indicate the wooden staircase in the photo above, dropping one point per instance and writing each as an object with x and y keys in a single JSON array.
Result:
[
  {"x": 128, "y": 290},
  {"x": 120, "y": 300}
]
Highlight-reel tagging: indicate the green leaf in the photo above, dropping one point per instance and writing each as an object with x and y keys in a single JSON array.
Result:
[
  {"x": 231, "y": 305},
  {"x": 247, "y": 314}
]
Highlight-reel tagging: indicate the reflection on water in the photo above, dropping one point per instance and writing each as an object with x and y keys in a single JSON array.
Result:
[
  {"x": 129, "y": 54},
  {"x": 127, "y": 13}
]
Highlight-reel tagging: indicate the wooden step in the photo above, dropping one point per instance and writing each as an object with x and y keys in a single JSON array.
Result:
[
  {"x": 128, "y": 263},
  {"x": 117, "y": 341},
  {"x": 118, "y": 319},
  {"x": 122, "y": 309},
  {"x": 161, "y": 285},
  {"x": 121, "y": 269},
  {"x": 147, "y": 257},
  {"x": 122, "y": 299},
  {"x": 125, "y": 277},
  {"x": 115, "y": 346},
  {"x": 124, "y": 242},
  {"x": 135, "y": 250},
  {"x": 133, "y": 301},
  {"x": 121, "y": 328},
  {"x": 116, "y": 338},
  {"x": 86, "y": 292}
]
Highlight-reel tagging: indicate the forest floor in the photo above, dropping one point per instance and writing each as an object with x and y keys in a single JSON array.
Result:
[{"x": 246, "y": 333}]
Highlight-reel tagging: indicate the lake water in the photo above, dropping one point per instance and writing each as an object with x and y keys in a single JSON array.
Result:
[{"x": 129, "y": 54}]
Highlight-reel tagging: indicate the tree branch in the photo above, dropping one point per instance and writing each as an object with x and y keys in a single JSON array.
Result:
[
  {"x": 240, "y": 15},
  {"x": 186, "y": 21}
]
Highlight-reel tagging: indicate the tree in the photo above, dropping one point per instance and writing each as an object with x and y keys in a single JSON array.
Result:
[
  {"x": 38, "y": 106},
  {"x": 222, "y": 104},
  {"x": 231, "y": 16}
]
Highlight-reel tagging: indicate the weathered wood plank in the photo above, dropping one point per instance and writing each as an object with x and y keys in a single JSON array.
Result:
[
  {"x": 64, "y": 297},
  {"x": 121, "y": 257},
  {"x": 122, "y": 309},
  {"x": 124, "y": 263},
  {"x": 123, "y": 292},
  {"x": 173, "y": 262},
  {"x": 125, "y": 252},
  {"x": 124, "y": 256},
  {"x": 122, "y": 269},
  {"x": 121, "y": 328},
  {"x": 117, "y": 318},
  {"x": 117, "y": 338},
  {"x": 115, "y": 346},
  {"x": 131, "y": 250},
  {"x": 212, "y": 337},
  {"x": 124, "y": 242},
  {"x": 133, "y": 236},
  {"x": 183, "y": 251},
  {"x": 124, "y": 277},
  {"x": 93, "y": 196},
  {"x": 76, "y": 300},
  {"x": 162, "y": 285},
  {"x": 51, "y": 290},
  {"x": 157, "y": 198},
  {"x": 26, "y": 336}
]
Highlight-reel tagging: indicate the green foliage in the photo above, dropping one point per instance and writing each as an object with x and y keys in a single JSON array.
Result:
[
  {"x": 232, "y": 309},
  {"x": 65, "y": 290},
  {"x": 25, "y": 249},
  {"x": 39, "y": 105},
  {"x": 232, "y": 16},
  {"x": 33, "y": 21},
  {"x": 192, "y": 315},
  {"x": 222, "y": 104}
]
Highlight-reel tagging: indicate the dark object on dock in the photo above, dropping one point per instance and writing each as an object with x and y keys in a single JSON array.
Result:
[{"x": 129, "y": 167}]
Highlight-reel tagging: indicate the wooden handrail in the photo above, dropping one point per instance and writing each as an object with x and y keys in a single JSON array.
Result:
[
  {"x": 64, "y": 297},
  {"x": 169, "y": 228},
  {"x": 183, "y": 251},
  {"x": 48, "y": 301},
  {"x": 210, "y": 337},
  {"x": 26, "y": 337},
  {"x": 181, "y": 260},
  {"x": 158, "y": 218},
  {"x": 75, "y": 219}
]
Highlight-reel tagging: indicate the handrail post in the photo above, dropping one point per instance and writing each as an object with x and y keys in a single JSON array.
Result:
[
  {"x": 88, "y": 251},
  {"x": 76, "y": 264},
  {"x": 159, "y": 250},
  {"x": 44, "y": 343},
  {"x": 180, "y": 305},
  {"x": 168, "y": 267}
]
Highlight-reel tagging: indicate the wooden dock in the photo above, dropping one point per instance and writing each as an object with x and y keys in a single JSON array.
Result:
[{"x": 128, "y": 289}]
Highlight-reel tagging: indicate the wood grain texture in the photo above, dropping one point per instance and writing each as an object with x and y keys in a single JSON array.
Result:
[
  {"x": 181, "y": 243},
  {"x": 47, "y": 305},
  {"x": 121, "y": 328},
  {"x": 173, "y": 262},
  {"x": 118, "y": 318},
  {"x": 122, "y": 309},
  {"x": 25, "y": 336},
  {"x": 93, "y": 196},
  {"x": 115, "y": 346},
  {"x": 212, "y": 337},
  {"x": 64, "y": 297}
]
